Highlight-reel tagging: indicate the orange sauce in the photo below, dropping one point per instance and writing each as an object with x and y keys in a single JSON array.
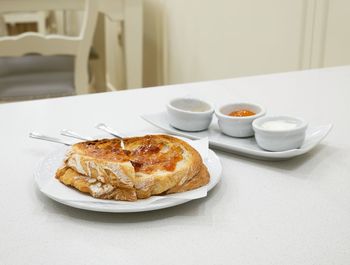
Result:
[
  {"x": 106, "y": 149},
  {"x": 242, "y": 113},
  {"x": 150, "y": 157}
]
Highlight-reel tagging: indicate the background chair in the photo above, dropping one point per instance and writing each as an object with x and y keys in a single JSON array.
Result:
[{"x": 63, "y": 67}]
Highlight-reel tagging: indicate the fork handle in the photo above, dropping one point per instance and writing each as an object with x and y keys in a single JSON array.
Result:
[
  {"x": 36, "y": 135},
  {"x": 75, "y": 135},
  {"x": 105, "y": 128}
]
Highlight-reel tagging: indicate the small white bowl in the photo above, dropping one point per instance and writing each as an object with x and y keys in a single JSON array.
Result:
[
  {"x": 279, "y": 133},
  {"x": 238, "y": 126},
  {"x": 190, "y": 114}
]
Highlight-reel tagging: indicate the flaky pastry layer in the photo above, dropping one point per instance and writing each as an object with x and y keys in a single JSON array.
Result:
[{"x": 148, "y": 165}]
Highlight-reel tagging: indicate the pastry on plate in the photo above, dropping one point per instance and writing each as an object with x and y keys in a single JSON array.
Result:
[
  {"x": 100, "y": 190},
  {"x": 146, "y": 166},
  {"x": 93, "y": 186}
]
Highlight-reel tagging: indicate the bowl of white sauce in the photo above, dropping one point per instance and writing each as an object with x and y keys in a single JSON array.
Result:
[
  {"x": 279, "y": 133},
  {"x": 190, "y": 114}
]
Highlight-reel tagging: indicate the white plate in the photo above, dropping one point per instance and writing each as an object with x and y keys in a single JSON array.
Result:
[
  {"x": 242, "y": 146},
  {"x": 44, "y": 177}
]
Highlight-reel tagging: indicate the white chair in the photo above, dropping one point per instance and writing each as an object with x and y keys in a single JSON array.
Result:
[
  {"x": 63, "y": 67},
  {"x": 3, "y": 29},
  {"x": 38, "y": 18}
]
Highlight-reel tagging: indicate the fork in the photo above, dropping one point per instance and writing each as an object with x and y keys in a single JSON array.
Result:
[
  {"x": 36, "y": 135},
  {"x": 105, "y": 128},
  {"x": 64, "y": 132},
  {"x": 72, "y": 134},
  {"x": 75, "y": 135}
]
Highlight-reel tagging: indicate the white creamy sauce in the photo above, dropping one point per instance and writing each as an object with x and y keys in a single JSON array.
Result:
[{"x": 279, "y": 125}]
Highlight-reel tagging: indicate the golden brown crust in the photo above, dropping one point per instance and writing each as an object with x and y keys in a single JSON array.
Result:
[
  {"x": 160, "y": 180},
  {"x": 149, "y": 165},
  {"x": 103, "y": 160},
  {"x": 82, "y": 183},
  {"x": 94, "y": 187},
  {"x": 104, "y": 149},
  {"x": 199, "y": 180},
  {"x": 165, "y": 144},
  {"x": 118, "y": 174}
]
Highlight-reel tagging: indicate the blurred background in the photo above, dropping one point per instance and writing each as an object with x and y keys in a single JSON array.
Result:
[{"x": 145, "y": 43}]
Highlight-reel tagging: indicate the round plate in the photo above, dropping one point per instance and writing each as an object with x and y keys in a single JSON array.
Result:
[{"x": 51, "y": 187}]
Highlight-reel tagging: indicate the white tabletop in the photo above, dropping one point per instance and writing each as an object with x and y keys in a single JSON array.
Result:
[{"x": 291, "y": 212}]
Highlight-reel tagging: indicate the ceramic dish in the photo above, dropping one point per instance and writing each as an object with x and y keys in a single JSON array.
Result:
[
  {"x": 183, "y": 110},
  {"x": 241, "y": 146},
  {"x": 237, "y": 126},
  {"x": 279, "y": 133}
]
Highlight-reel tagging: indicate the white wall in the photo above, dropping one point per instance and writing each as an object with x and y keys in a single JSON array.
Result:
[
  {"x": 219, "y": 39},
  {"x": 206, "y": 39},
  {"x": 153, "y": 42},
  {"x": 337, "y": 37}
]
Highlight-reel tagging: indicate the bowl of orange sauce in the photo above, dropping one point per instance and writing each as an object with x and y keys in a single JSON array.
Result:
[{"x": 235, "y": 119}]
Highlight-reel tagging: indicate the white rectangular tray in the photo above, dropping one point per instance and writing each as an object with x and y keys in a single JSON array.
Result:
[{"x": 242, "y": 146}]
